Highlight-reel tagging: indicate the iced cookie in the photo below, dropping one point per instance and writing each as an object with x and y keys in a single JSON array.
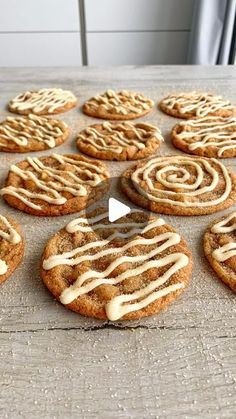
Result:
[
  {"x": 43, "y": 102},
  {"x": 118, "y": 105},
  {"x": 116, "y": 274},
  {"x": 55, "y": 184},
  {"x": 196, "y": 105},
  {"x": 210, "y": 136},
  {"x": 220, "y": 248},
  {"x": 180, "y": 185},
  {"x": 11, "y": 247},
  {"x": 31, "y": 133},
  {"x": 120, "y": 141}
]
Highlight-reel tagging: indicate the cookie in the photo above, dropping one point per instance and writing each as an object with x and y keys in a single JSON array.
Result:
[
  {"x": 196, "y": 105},
  {"x": 210, "y": 136},
  {"x": 119, "y": 141},
  {"x": 11, "y": 247},
  {"x": 220, "y": 248},
  {"x": 55, "y": 185},
  {"x": 122, "y": 275},
  {"x": 31, "y": 133},
  {"x": 43, "y": 102},
  {"x": 180, "y": 185},
  {"x": 118, "y": 105}
]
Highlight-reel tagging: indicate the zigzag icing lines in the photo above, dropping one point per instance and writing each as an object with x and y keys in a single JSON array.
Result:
[
  {"x": 22, "y": 129},
  {"x": 123, "y": 102},
  {"x": 211, "y": 131},
  {"x": 229, "y": 249},
  {"x": 9, "y": 234},
  {"x": 117, "y": 133},
  {"x": 192, "y": 194},
  {"x": 44, "y": 99},
  {"x": 198, "y": 103},
  {"x": 63, "y": 180},
  {"x": 120, "y": 305}
]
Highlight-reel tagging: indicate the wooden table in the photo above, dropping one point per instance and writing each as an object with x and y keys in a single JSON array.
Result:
[{"x": 56, "y": 364}]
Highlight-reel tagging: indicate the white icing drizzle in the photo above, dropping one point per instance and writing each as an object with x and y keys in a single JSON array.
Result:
[
  {"x": 123, "y": 102},
  {"x": 11, "y": 236},
  {"x": 3, "y": 267},
  {"x": 22, "y": 129},
  {"x": 156, "y": 170},
  {"x": 48, "y": 100},
  {"x": 197, "y": 103},
  {"x": 212, "y": 131},
  {"x": 229, "y": 249},
  {"x": 221, "y": 226},
  {"x": 73, "y": 183},
  {"x": 117, "y": 133},
  {"x": 120, "y": 305}
]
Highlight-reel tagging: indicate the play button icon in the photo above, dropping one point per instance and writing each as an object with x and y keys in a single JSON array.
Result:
[{"x": 116, "y": 209}]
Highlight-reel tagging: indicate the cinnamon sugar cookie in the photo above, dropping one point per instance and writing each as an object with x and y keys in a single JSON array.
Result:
[
  {"x": 180, "y": 185},
  {"x": 11, "y": 247},
  {"x": 211, "y": 136},
  {"x": 121, "y": 275},
  {"x": 43, "y": 102},
  {"x": 119, "y": 141},
  {"x": 31, "y": 133},
  {"x": 118, "y": 105},
  {"x": 220, "y": 248},
  {"x": 55, "y": 185},
  {"x": 196, "y": 104}
]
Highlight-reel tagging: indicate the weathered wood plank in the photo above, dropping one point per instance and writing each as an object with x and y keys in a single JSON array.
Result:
[{"x": 55, "y": 363}]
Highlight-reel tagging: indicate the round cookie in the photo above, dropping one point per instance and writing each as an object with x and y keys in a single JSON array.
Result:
[
  {"x": 55, "y": 185},
  {"x": 31, "y": 133},
  {"x": 220, "y": 248},
  {"x": 119, "y": 141},
  {"x": 43, "y": 102},
  {"x": 121, "y": 105},
  {"x": 196, "y": 105},
  {"x": 121, "y": 276},
  {"x": 11, "y": 247},
  {"x": 180, "y": 185},
  {"x": 210, "y": 136}
]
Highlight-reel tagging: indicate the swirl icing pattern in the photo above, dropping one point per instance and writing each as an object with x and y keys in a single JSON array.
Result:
[
  {"x": 44, "y": 101},
  {"x": 208, "y": 134},
  {"x": 180, "y": 185},
  {"x": 196, "y": 104},
  {"x": 23, "y": 131},
  {"x": 127, "y": 251},
  {"x": 111, "y": 140}
]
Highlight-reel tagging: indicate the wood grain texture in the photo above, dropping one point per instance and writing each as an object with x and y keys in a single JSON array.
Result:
[{"x": 56, "y": 364}]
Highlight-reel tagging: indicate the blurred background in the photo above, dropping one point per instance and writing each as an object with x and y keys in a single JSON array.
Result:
[{"x": 117, "y": 32}]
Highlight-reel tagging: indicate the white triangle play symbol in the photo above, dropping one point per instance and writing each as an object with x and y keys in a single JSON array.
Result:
[{"x": 116, "y": 209}]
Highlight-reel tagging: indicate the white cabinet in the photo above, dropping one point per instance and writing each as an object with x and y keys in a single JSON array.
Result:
[
  {"x": 39, "y": 15},
  {"x": 107, "y": 32},
  {"x": 137, "y": 48},
  {"x": 40, "y": 33},
  {"x": 137, "y": 31},
  {"x": 138, "y": 15},
  {"x": 40, "y": 49}
]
